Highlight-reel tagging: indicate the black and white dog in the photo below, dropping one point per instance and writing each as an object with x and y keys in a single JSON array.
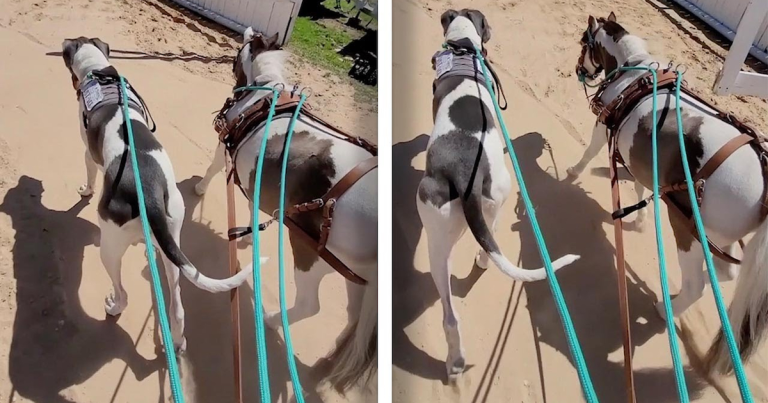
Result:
[
  {"x": 103, "y": 130},
  {"x": 465, "y": 182}
]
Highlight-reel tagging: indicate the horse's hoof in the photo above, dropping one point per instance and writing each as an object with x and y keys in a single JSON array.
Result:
[
  {"x": 199, "y": 189},
  {"x": 85, "y": 191},
  {"x": 455, "y": 367},
  {"x": 113, "y": 307},
  {"x": 481, "y": 260},
  {"x": 180, "y": 347},
  {"x": 273, "y": 320},
  {"x": 573, "y": 172}
]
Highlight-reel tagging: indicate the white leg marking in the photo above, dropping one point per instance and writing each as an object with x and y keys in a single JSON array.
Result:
[
  {"x": 490, "y": 212},
  {"x": 643, "y": 213},
  {"x": 307, "y": 302},
  {"x": 216, "y": 166},
  {"x": 726, "y": 271},
  {"x": 114, "y": 242},
  {"x": 90, "y": 174},
  {"x": 595, "y": 145},
  {"x": 175, "y": 306},
  {"x": 691, "y": 266}
]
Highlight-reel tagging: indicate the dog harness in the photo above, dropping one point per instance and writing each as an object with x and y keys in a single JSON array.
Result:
[
  {"x": 102, "y": 88},
  {"x": 613, "y": 114},
  {"x": 234, "y": 133},
  {"x": 458, "y": 59}
]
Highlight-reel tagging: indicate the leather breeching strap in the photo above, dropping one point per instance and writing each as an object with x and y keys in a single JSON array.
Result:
[
  {"x": 613, "y": 114},
  {"x": 233, "y": 133}
]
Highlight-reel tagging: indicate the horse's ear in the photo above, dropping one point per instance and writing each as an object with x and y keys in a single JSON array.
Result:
[
  {"x": 592, "y": 23},
  {"x": 612, "y": 17},
  {"x": 272, "y": 42},
  {"x": 447, "y": 18}
]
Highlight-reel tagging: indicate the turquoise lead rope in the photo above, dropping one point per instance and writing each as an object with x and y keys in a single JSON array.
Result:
[
  {"x": 165, "y": 329},
  {"x": 562, "y": 307},
  {"x": 261, "y": 345}
]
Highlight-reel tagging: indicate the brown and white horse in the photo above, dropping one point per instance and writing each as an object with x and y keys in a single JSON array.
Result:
[
  {"x": 731, "y": 204},
  {"x": 318, "y": 159}
]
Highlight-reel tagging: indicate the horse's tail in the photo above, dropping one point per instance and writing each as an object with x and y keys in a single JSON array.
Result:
[
  {"x": 354, "y": 358},
  {"x": 748, "y": 312}
]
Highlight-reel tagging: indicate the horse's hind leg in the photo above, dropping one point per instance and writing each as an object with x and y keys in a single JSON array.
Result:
[
  {"x": 216, "y": 166},
  {"x": 691, "y": 267},
  {"x": 599, "y": 139}
]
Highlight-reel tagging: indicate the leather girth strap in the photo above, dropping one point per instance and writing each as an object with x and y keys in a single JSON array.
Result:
[
  {"x": 234, "y": 132},
  {"x": 616, "y": 111}
]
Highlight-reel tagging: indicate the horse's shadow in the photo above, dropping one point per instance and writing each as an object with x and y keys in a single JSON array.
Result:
[
  {"x": 570, "y": 221},
  {"x": 55, "y": 344},
  {"x": 413, "y": 291}
]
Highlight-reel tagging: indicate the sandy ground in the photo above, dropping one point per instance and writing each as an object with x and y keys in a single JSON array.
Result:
[
  {"x": 55, "y": 343},
  {"x": 514, "y": 342}
]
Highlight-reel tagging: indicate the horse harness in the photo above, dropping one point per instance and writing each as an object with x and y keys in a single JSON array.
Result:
[
  {"x": 458, "y": 59},
  {"x": 615, "y": 112},
  {"x": 233, "y": 133}
]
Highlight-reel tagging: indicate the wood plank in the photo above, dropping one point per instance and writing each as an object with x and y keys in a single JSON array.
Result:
[{"x": 280, "y": 18}]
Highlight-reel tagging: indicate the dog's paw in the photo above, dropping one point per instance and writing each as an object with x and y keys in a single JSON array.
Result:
[
  {"x": 180, "y": 346},
  {"x": 112, "y": 306},
  {"x": 85, "y": 191},
  {"x": 573, "y": 172},
  {"x": 200, "y": 188}
]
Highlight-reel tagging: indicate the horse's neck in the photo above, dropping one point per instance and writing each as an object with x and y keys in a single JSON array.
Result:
[
  {"x": 626, "y": 77},
  {"x": 256, "y": 95}
]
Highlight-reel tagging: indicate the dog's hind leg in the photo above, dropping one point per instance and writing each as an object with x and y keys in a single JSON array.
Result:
[
  {"x": 175, "y": 306},
  {"x": 90, "y": 176},
  {"x": 599, "y": 140},
  {"x": 691, "y": 266},
  {"x": 490, "y": 212},
  {"x": 216, "y": 166},
  {"x": 114, "y": 242},
  {"x": 444, "y": 227}
]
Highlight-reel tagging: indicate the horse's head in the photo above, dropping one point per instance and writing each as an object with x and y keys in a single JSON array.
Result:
[
  {"x": 601, "y": 35},
  {"x": 466, "y": 24},
  {"x": 254, "y": 44}
]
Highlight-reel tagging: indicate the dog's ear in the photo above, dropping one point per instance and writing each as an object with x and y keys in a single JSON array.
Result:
[
  {"x": 103, "y": 46},
  {"x": 447, "y": 18},
  {"x": 481, "y": 24},
  {"x": 612, "y": 17},
  {"x": 68, "y": 49},
  {"x": 272, "y": 42}
]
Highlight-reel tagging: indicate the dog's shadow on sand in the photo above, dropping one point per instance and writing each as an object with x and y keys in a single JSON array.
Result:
[
  {"x": 56, "y": 344},
  {"x": 571, "y": 222}
]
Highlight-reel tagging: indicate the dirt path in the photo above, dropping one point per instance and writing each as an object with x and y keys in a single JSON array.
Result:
[
  {"x": 55, "y": 343},
  {"x": 513, "y": 338}
]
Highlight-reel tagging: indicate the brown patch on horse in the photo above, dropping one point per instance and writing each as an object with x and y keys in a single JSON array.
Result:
[
  {"x": 670, "y": 161},
  {"x": 310, "y": 170}
]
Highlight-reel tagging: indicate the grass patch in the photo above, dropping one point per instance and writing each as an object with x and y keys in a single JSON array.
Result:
[{"x": 318, "y": 44}]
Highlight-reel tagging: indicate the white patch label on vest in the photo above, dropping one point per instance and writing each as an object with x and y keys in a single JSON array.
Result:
[
  {"x": 443, "y": 63},
  {"x": 92, "y": 94}
]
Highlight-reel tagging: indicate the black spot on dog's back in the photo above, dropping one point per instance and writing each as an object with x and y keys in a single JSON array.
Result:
[{"x": 470, "y": 114}]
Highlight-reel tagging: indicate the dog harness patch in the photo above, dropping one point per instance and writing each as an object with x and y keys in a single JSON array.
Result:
[
  {"x": 92, "y": 94},
  {"x": 443, "y": 63}
]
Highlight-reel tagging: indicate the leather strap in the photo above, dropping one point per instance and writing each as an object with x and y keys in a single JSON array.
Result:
[
  {"x": 721, "y": 155},
  {"x": 621, "y": 278}
]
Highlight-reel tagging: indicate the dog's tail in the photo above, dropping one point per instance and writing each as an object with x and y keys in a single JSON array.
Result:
[
  {"x": 159, "y": 225},
  {"x": 748, "y": 312},
  {"x": 473, "y": 212}
]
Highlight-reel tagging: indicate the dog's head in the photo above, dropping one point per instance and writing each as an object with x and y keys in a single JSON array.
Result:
[
  {"x": 467, "y": 23},
  {"x": 81, "y": 55},
  {"x": 254, "y": 44}
]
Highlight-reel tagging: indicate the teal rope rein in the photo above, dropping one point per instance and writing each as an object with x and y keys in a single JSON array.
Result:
[
  {"x": 261, "y": 348},
  {"x": 677, "y": 362},
  {"x": 562, "y": 308},
  {"x": 741, "y": 378},
  {"x": 281, "y": 252},
  {"x": 165, "y": 329}
]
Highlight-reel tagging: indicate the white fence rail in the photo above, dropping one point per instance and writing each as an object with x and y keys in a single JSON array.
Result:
[{"x": 265, "y": 16}]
